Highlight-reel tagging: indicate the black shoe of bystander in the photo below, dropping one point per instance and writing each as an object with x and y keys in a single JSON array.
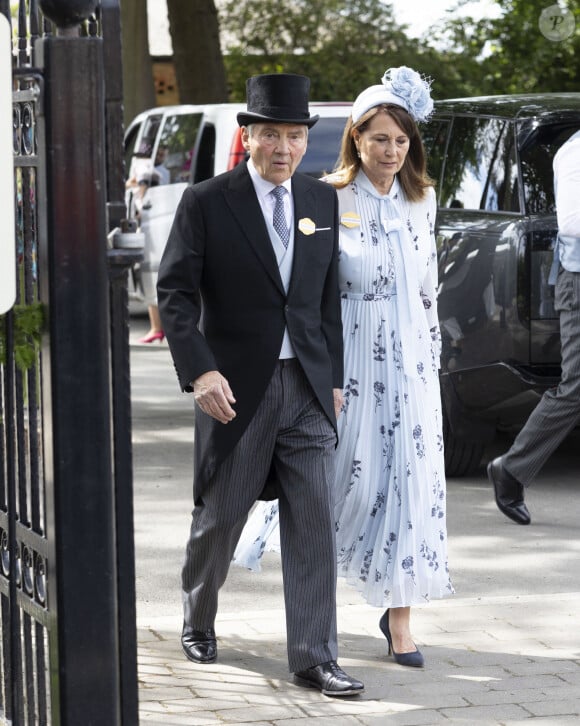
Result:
[{"x": 509, "y": 493}]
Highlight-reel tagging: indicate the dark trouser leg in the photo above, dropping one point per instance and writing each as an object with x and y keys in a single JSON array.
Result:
[
  {"x": 290, "y": 426},
  {"x": 218, "y": 519},
  {"x": 558, "y": 411},
  {"x": 304, "y": 458}
]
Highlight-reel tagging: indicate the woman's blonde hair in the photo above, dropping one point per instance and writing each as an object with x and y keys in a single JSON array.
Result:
[{"x": 413, "y": 174}]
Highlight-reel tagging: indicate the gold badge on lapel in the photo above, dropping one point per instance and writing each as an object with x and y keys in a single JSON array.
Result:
[
  {"x": 306, "y": 226},
  {"x": 350, "y": 220}
]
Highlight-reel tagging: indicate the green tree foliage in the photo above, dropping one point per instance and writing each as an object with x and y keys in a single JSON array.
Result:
[
  {"x": 27, "y": 326},
  {"x": 346, "y": 45},
  {"x": 509, "y": 54},
  {"x": 342, "y": 45}
]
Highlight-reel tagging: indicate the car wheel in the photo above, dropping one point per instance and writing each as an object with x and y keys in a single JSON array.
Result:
[{"x": 462, "y": 456}]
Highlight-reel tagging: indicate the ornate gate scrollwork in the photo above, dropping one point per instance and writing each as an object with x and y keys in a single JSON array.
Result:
[{"x": 67, "y": 612}]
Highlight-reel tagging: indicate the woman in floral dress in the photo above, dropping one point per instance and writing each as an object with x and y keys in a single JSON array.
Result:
[{"x": 390, "y": 482}]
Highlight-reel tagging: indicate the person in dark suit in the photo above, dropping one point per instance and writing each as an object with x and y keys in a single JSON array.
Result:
[{"x": 248, "y": 296}]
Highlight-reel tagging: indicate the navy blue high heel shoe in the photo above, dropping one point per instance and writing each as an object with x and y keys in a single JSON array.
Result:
[{"x": 414, "y": 659}]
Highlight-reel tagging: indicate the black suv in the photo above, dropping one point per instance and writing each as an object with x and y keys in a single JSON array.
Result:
[{"x": 492, "y": 160}]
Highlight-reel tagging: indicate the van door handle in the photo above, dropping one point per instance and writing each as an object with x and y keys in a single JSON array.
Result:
[{"x": 147, "y": 205}]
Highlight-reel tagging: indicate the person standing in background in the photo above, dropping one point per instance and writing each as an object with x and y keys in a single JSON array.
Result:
[{"x": 558, "y": 411}]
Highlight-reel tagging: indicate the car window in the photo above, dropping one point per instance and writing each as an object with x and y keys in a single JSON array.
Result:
[
  {"x": 537, "y": 155},
  {"x": 323, "y": 146},
  {"x": 434, "y": 135},
  {"x": 203, "y": 167},
  {"x": 176, "y": 146},
  {"x": 138, "y": 162},
  {"x": 129, "y": 147},
  {"x": 480, "y": 166},
  {"x": 150, "y": 129},
  {"x": 501, "y": 193}
]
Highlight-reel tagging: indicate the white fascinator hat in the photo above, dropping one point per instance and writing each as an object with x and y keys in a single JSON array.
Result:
[{"x": 401, "y": 86}]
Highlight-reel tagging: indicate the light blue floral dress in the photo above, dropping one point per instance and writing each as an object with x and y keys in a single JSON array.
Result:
[{"x": 390, "y": 483}]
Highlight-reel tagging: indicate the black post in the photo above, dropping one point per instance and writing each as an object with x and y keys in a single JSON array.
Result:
[
  {"x": 83, "y": 569},
  {"x": 111, "y": 32},
  {"x": 120, "y": 262}
]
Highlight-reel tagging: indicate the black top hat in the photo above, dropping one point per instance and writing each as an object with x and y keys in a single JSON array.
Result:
[{"x": 279, "y": 97}]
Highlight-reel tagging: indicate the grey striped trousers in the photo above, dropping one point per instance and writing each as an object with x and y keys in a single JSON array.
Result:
[
  {"x": 290, "y": 429},
  {"x": 558, "y": 411}
]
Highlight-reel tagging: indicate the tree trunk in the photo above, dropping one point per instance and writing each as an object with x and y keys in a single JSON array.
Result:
[
  {"x": 138, "y": 88},
  {"x": 199, "y": 66}
]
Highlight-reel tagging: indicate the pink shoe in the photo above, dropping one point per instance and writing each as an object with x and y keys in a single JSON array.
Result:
[{"x": 152, "y": 337}]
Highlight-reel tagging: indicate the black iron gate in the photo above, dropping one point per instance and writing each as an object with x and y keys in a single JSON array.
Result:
[{"x": 67, "y": 598}]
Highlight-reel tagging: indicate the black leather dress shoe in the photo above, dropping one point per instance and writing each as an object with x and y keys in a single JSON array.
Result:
[
  {"x": 199, "y": 645},
  {"x": 330, "y": 680},
  {"x": 509, "y": 493}
]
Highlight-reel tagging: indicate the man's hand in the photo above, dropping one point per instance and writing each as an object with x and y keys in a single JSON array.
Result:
[
  {"x": 338, "y": 400},
  {"x": 213, "y": 395}
]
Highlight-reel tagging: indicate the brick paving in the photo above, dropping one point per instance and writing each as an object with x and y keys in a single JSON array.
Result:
[{"x": 504, "y": 650}]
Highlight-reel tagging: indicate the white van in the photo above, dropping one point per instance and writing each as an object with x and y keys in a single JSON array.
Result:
[{"x": 169, "y": 147}]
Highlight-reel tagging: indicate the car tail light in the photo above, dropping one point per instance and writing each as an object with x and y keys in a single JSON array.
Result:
[{"x": 237, "y": 151}]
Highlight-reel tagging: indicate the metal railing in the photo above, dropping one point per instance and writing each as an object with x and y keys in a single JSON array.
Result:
[{"x": 67, "y": 598}]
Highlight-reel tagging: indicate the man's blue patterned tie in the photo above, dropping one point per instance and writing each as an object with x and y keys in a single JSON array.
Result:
[{"x": 279, "y": 218}]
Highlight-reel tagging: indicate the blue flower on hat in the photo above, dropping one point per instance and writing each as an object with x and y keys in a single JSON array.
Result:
[{"x": 414, "y": 89}]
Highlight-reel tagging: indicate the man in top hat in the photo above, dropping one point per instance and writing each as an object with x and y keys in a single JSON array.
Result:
[{"x": 248, "y": 296}]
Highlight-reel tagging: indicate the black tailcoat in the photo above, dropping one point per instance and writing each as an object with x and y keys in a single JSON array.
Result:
[{"x": 224, "y": 307}]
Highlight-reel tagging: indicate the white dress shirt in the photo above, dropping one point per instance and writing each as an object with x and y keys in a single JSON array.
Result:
[
  {"x": 567, "y": 192},
  {"x": 284, "y": 255},
  {"x": 566, "y": 166},
  {"x": 267, "y": 200},
  {"x": 567, "y": 186}
]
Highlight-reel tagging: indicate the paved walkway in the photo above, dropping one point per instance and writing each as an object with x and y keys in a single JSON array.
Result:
[{"x": 504, "y": 650}]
